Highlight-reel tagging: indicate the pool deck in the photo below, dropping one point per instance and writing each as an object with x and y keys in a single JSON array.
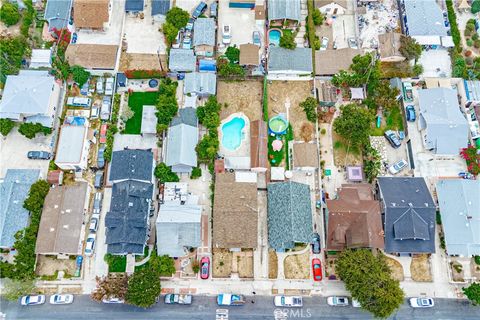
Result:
[{"x": 244, "y": 149}]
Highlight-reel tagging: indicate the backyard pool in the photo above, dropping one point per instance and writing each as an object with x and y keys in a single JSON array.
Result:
[
  {"x": 232, "y": 133},
  {"x": 274, "y": 37}
]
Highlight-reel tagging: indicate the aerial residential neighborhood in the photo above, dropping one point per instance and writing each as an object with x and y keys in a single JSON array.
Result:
[{"x": 239, "y": 159}]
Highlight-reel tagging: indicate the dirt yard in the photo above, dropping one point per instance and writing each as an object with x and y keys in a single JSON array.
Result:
[
  {"x": 293, "y": 92},
  {"x": 297, "y": 266},
  {"x": 47, "y": 266},
  {"x": 141, "y": 61},
  {"x": 222, "y": 263},
  {"x": 330, "y": 268},
  {"x": 396, "y": 267},
  {"x": 244, "y": 264},
  {"x": 475, "y": 269},
  {"x": 272, "y": 265},
  {"x": 457, "y": 271},
  {"x": 420, "y": 268},
  {"x": 342, "y": 155},
  {"x": 241, "y": 96}
]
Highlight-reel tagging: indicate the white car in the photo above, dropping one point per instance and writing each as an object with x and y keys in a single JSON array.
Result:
[
  {"x": 398, "y": 166},
  {"x": 337, "y": 301},
  {"x": 226, "y": 34},
  {"x": 421, "y": 302},
  {"x": 32, "y": 300},
  {"x": 61, "y": 299},
  {"x": 324, "y": 44},
  {"x": 109, "y": 86},
  {"x": 288, "y": 301},
  {"x": 112, "y": 300},
  {"x": 100, "y": 85},
  {"x": 356, "y": 304},
  {"x": 90, "y": 246},
  {"x": 93, "y": 225}
]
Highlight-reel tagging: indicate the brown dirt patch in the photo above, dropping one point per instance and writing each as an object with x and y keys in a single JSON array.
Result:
[
  {"x": 241, "y": 96},
  {"x": 306, "y": 131},
  {"x": 342, "y": 155},
  {"x": 297, "y": 266},
  {"x": 330, "y": 267},
  {"x": 457, "y": 271},
  {"x": 142, "y": 61},
  {"x": 272, "y": 264},
  {"x": 47, "y": 266},
  {"x": 222, "y": 263},
  {"x": 296, "y": 92},
  {"x": 420, "y": 268},
  {"x": 396, "y": 267},
  {"x": 245, "y": 264}
]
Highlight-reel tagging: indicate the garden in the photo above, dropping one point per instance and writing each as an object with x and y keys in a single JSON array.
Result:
[{"x": 136, "y": 101}]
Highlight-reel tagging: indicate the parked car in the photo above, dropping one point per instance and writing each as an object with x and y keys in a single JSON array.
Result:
[
  {"x": 317, "y": 269},
  {"x": 109, "y": 86},
  {"x": 316, "y": 248},
  {"x": 100, "y": 85},
  {"x": 39, "y": 155},
  {"x": 98, "y": 183},
  {"x": 199, "y": 10},
  {"x": 178, "y": 299},
  {"x": 205, "y": 267},
  {"x": 410, "y": 111},
  {"x": 324, "y": 44},
  {"x": 61, "y": 299},
  {"x": 105, "y": 111},
  {"x": 392, "y": 139},
  {"x": 95, "y": 112},
  {"x": 398, "y": 166},
  {"x": 32, "y": 300},
  {"x": 93, "y": 225},
  {"x": 90, "y": 244},
  {"x": 421, "y": 302},
  {"x": 226, "y": 34},
  {"x": 256, "y": 38},
  {"x": 103, "y": 133},
  {"x": 227, "y": 299},
  {"x": 189, "y": 26},
  {"x": 101, "y": 157},
  {"x": 213, "y": 10},
  {"x": 352, "y": 43},
  {"x": 97, "y": 203},
  {"x": 113, "y": 300},
  {"x": 74, "y": 37},
  {"x": 337, "y": 301},
  {"x": 288, "y": 301}
]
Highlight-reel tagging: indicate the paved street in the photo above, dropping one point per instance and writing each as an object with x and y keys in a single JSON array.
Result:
[{"x": 205, "y": 308}]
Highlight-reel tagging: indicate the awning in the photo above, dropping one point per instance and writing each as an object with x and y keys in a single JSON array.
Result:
[
  {"x": 447, "y": 42},
  {"x": 428, "y": 40}
]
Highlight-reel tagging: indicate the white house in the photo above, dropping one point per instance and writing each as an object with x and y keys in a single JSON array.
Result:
[
  {"x": 73, "y": 147},
  {"x": 286, "y": 64}
]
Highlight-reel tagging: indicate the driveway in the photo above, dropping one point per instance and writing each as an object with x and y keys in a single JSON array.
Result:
[{"x": 436, "y": 63}]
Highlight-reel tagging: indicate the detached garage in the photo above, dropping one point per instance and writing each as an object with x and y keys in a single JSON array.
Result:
[{"x": 243, "y": 4}]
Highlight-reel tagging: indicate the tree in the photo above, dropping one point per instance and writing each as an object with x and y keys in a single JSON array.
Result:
[
  {"x": 177, "y": 17},
  {"x": 196, "y": 173},
  {"x": 6, "y": 125},
  {"x": 369, "y": 280},
  {"x": 233, "y": 54},
  {"x": 143, "y": 288},
  {"x": 14, "y": 289},
  {"x": 30, "y": 130},
  {"x": 386, "y": 96},
  {"x": 354, "y": 124},
  {"x": 36, "y": 196},
  {"x": 473, "y": 293},
  {"x": 310, "y": 108},
  {"x": 287, "y": 40},
  {"x": 207, "y": 147},
  {"x": 13, "y": 49},
  {"x": 80, "y": 75},
  {"x": 170, "y": 32},
  {"x": 371, "y": 163},
  {"x": 410, "y": 48},
  {"x": 225, "y": 68},
  {"x": 475, "y": 6},
  {"x": 417, "y": 69},
  {"x": 9, "y": 14},
  {"x": 111, "y": 286},
  {"x": 164, "y": 265},
  {"x": 164, "y": 174},
  {"x": 318, "y": 17}
]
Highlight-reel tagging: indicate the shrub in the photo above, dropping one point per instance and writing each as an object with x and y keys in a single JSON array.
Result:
[
  {"x": 452, "y": 17},
  {"x": 475, "y": 8},
  {"x": 165, "y": 174},
  {"x": 287, "y": 40},
  {"x": 143, "y": 74},
  {"x": 309, "y": 106},
  {"x": 177, "y": 17},
  {"x": 470, "y": 42},
  {"x": 196, "y": 173},
  {"x": 195, "y": 266},
  {"x": 6, "y": 125},
  {"x": 233, "y": 54},
  {"x": 469, "y": 61},
  {"x": 226, "y": 69},
  {"x": 9, "y": 14},
  {"x": 476, "y": 44},
  {"x": 475, "y": 36},
  {"x": 417, "y": 69},
  {"x": 30, "y": 130},
  {"x": 438, "y": 218},
  {"x": 318, "y": 17},
  {"x": 323, "y": 131},
  {"x": 477, "y": 259},
  {"x": 467, "y": 32}
]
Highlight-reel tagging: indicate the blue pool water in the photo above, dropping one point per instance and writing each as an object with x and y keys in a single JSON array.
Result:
[
  {"x": 274, "y": 37},
  {"x": 232, "y": 133}
]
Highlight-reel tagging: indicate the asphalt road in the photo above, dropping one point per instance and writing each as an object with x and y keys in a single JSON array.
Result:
[{"x": 205, "y": 308}]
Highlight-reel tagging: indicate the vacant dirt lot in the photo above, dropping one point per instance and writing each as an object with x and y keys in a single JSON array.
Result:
[
  {"x": 241, "y": 96},
  {"x": 142, "y": 61},
  {"x": 272, "y": 265},
  {"x": 289, "y": 92},
  {"x": 47, "y": 266},
  {"x": 420, "y": 268},
  {"x": 222, "y": 263},
  {"x": 244, "y": 261},
  {"x": 297, "y": 266},
  {"x": 396, "y": 267}
]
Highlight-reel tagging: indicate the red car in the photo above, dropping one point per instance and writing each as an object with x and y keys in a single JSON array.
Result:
[
  {"x": 317, "y": 269},
  {"x": 204, "y": 267},
  {"x": 103, "y": 133}
]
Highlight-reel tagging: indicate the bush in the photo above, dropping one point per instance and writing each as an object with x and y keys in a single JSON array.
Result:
[
  {"x": 476, "y": 44},
  {"x": 80, "y": 75},
  {"x": 467, "y": 32},
  {"x": 477, "y": 259},
  {"x": 287, "y": 40},
  {"x": 323, "y": 131},
  {"x": 195, "y": 266},
  {"x": 317, "y": 17},
  {"x": 196, "y": 173},
  {"x": 417, "y": 69},
  {"x": 469, "y": 42},
  {"x": 438, "y": 218},
  {"x": 452, "y": 17},
  {"x": 177, "y": 17},
  {"x": 475, "y": 8},
  {"x": 30, "y": 130},
  {"x": 165, "y": 174},
  {"x": 226, "y": 69},
  {"x": 6, "y": 125},
  {"x": 233, "y": 54},
  {"x": 116, "y": 263},
  {"x": 309, "y": 106},
  {"x": 475, "y": 36},
  {"x": 143, "y": 74},
  {"x": 9, "y": 14},
  {"x": 469, "y": 61}
]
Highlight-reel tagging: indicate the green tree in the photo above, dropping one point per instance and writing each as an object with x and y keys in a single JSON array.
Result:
[
  {"x": 410, "y": 48},
  {"x": 14, "y": 289},
  {"x": 473, "y": 293},
  {"x": 30, "y": 130},
  {"x": 417, "y": 69},
  {"x": 475, "y": 6},
  {"x": 354, "y": 124},
  {"x": 309, "y": 105},
  {"x": 13, "y": 49},
  {"x": 287, "y": 40},
  {"x": 386, "y": 96},
  {"x": 6, "y": 125},
  {"x": 318, "y": 17},
  {"x": 369, "y": 280},
  {"x": 196, "y": 173},
  {"x": 177, "y": 17},
  {"x": 163, "y": 265},
  {"x": 9, "y": 14},
  {"x": 143, "y": 288},
  {"x": 36, "y": 196},
  {"x": 164, "y": 174},
  {"x": 80, "y": 75},
  {"x": 371, "y": 163},
  {"x": 170, "y": 32},
  {"x": 207, "y": 147},
  {"x": 233, "y": 54},
  {"x": 225, "y": 68}
]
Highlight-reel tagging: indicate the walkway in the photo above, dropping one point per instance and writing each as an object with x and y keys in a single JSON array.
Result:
[
  {"x": 145, "y": 260},
  {"x": 281, "y": 257}
]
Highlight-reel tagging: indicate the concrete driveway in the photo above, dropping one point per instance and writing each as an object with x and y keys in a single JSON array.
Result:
[{"x": 436, "y": 63}]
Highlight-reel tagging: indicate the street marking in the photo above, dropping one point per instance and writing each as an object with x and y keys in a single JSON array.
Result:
[{"x": 221, "y": 314}]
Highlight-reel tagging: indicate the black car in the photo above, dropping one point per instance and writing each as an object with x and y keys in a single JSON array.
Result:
[
  {"x": 100, "y": 157},
  {"x": 316, "y": 248},
  {"x": 39, "y": 155},
  {"x": 392, "y": 139}
]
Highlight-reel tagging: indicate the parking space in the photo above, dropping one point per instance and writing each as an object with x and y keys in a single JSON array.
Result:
[
  {"x": 151, "y": 40},
  {"x": 343, "y": 28},
  {"x": 436, "y": 63}
]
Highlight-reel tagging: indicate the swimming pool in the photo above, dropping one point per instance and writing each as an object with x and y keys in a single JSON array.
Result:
[
  {"x": 232, "y": 133},
  {"x": 274, "y": 37}
]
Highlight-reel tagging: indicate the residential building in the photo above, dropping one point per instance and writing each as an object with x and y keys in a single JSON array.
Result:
[
  {"x": 182, "y": 60},
  {"x": 281, "y": 12},
  {"x": 258, "y": 146},
  {"x": 354, "y": 219},
  {"x": 57, "y": 14},
  {"x": 286, "y": 64},
  {"x": 289, "y": 215},
  {"x": 202, "y": 84},
  {"x": 132, "y": 164},
  {"x": 134, "y": 6},
  {"x": 329, "y": 62},
  {"x": 249, "y": 55},
  {"x": 73, "y": 146},
  {"x": 182, "y": 140},
  {"x": 96, "y": 58},
  {"x": 331, "y": 7},
  {"x": 91, "y": 14},
  {"x": 459, "y": 202},
  {"x": 235, "y": 213},
  {"x": 14, "y": 189},
  {"x": 149, "y": 120},
  {"x": 409, "y": 215},
  {"x": 204, "y": 36},
  {"x": 31, "y": 96},
  {"x": 389, "y": 47},
  {"x": 61, "y": 225},
  {"x": 304, "y": 156},
  {"x": 160, "y": 9},
  {"x": 179, "y": 221},
  {"x": 41, "y": 58},
  {"x": 441, "y": 122}
]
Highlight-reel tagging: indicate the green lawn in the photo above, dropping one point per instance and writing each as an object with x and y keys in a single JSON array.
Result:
[
  {"x": 275, "y": 157},
  {"x": 393, "y": 121},
  {"x": 116, "y": 263},
  {"x": 136, "y": 101}
]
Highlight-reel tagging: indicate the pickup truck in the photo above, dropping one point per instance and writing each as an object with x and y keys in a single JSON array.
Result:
[
  {"x": 227, "y": 299},
  {"x": 178, "y": 299}
]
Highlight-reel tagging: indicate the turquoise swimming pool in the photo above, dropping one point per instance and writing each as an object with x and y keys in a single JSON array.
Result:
[
  {"x": 274, "y": 37},
  {"x": 232, "y": 133}
]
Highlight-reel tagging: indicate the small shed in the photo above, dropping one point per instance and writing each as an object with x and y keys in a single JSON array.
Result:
[
  {"x": 41, "y": 58},
  {"x": 357, "y": 94},
  {"x": 355, "y": 173},
  {"x": 149, "y": 120},
  {"x": 277, "y": 174}
]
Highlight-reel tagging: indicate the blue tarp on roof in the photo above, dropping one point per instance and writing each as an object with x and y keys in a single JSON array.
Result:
[
  {"x": 134, "y": 5},
  {"x": 207, "y": 66},
  {"x": 160, "y": 7}
]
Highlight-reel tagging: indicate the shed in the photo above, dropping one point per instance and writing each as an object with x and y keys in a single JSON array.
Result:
[
  {"x": 149, "y": 120},
  {"x": 249, "y": 55},
  {"x": 41, "y": 58}
]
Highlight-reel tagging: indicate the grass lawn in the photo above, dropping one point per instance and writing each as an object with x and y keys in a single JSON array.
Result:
[
  {"x": 136, "y": 101},
  {"x": 116, "y": 263},
  {"x": 393, "y": 121},
  {"x": 275, "y": 157}
]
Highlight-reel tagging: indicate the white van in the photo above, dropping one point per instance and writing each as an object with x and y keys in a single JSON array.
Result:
[{"x": 79, "y": 102}]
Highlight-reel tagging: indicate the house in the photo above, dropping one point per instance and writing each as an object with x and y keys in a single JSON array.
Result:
[
  {"x": 57, "y": 14},
  {"x": 91, "y": 14},
  {"x": 202, "y": 84},
  {"x": 289, "y": 215},
  {"x": 61, "y": 225},
  {"x": 329, "y": 62},
  {"x": 134, "y": 6},
  {"x": 41, "y": 58},
  {"x": 459, "y": 202},
  {"x": 96, "y": 58},
  {"x": 258, "y": 146},
  {"x": 235, "y": 213},
  {"x": 14, "y": 189},
  {"x": 30, "y": 96},
  {"x": 282, "y": 12},
  {"x": 132, "y": 164},
  {"x": 409, "y": 215},
  {"x": 204, "y": 36},
  {"x": 441, "y": 122},
  {"x": 160, "y": 9},
  {"x": 389, "y": 47},
  {"x": 285, "y": 63},
  {"x": 73, "y": 147},
  {"x": 179, "y": 221},
  {"x": 331, "y": 7},
  {"x": 182, "y": 140},
  {"x": 182, "y": 60},
  {"x": 305, "y": 156},
  {"x": 354, "y": 219},
  {"x": 149, "y": 120},
  {"x": 249, "y": 55}
]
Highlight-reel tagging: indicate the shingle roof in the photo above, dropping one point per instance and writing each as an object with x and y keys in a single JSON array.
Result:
[
  {"x": 160, "y": 7},
  {"x": 298, "y": 59},
  {"x": 459, "y": 202},
  {"x": 70, "y": 143},
  {"x": 409, "y": 215},
  {"x": 182, "y": 60},
  {"x": 57, "y": 13},
  {"x": 134, "y": 5},
  {"x": 424, "y": 18},
  {"x": 92, "y": 56},
  {"x": 446, "y": 127},
  {"x": 90, "y": 13},
  {"x": 330, "y": 62},
  {"x": 182, "y": 140},
  {"x": 284, "y": 9},
  {"x": 204, "y": 32},
  {"x": 186, "y": 116},
  {"x": 200, "y": 83},
  {"x": 132, "y": 164},
  {"x": 289, "y": 214},
  {"x": 13, "y": 192}
]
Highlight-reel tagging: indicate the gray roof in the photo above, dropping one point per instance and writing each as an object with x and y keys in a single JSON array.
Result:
[
  {"x": 409, "y": 222},
  {"x": 284, "y": 9},
  {"x": 204, "y": 32},
  {"x": 186, "y": 116},
  {"x": 134, "y": 5},
  {"x": 200, "y": 83},
  {"x": 299, "y": 59},
  {"x": 13, "y": 191},
  {"x": 57, "y": 13},
  {"x": 182, "y": 60},
  {"x": 132, "y": 164},
  {"x": 27, "y": 94},
  {"x": 181, "y": 142},
  {"x": 424, "y": 18},
  {"x": 446, "y": 127},
  {"x": 459, "y": 202},
  {"x": 70, "y": 144},
  {"x": 149, "y": 120},
  {"x": 160, "y": 7},
  {"x": 289, "y": 215},
  {"x": 127, "y": 220}
]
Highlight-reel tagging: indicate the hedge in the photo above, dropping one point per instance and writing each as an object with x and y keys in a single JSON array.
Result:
[{"x": 144, "y": 74}]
